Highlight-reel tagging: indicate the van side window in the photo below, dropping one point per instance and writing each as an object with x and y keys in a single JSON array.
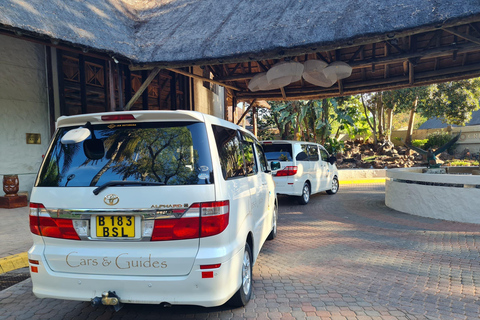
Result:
[
  {"x": 324, "y": 155},
  {"x": 261, "y": 156},
  {"x": 229, "y": 151},
  {"x": 303, "y": 155},
  {"x": 313, "y": 153},
  {"x": 250, "y": 163},
  {"x": 248, "y": 153}
]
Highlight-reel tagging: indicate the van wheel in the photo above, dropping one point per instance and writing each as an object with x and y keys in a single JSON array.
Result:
[
  {"x": 335, "y": 185},
  {"x": 305, "y": 197},
  {"x": 273, "y": 233},
  {"x": 243, "y": 295}
]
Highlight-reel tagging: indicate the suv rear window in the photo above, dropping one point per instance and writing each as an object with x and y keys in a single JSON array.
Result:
[
  {"x": 278, "y": 152},
  {"x": 173, "y": 153}
]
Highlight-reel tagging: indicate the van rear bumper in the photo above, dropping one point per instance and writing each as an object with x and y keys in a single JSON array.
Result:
[
  {"x": 191, "y": 289},
  {"x": 288, "y": 186}
]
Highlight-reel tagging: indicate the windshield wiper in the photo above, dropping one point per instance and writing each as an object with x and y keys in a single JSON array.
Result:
[{"x": 126, "y": 183}]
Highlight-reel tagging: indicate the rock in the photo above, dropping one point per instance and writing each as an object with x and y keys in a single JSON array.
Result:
[{"x": 377, "y": 164}]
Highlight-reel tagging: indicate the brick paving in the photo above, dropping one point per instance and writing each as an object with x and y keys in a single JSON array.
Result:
[{"x": 346, "y": 256}]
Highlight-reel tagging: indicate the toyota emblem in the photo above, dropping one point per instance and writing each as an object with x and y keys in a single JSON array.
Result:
[{"x": 111, "y": 199}]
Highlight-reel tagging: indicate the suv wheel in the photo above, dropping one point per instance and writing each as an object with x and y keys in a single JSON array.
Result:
[
  {"x": 243, "y": 295},
  {"x": 334, "y": 188},
  {"x": 305, "y": 197}
]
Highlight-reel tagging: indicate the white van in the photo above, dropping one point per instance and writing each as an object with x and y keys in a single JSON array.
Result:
[
  {"x": 305, "y": 168},
  {"x": 159, "y": 207}
]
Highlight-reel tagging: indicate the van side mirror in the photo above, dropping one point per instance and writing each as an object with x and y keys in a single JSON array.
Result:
[
  {"x": 332, "y": 159},
  {"x": 274, "y": 165}
]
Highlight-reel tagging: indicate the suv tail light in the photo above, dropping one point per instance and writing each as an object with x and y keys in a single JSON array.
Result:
[
  {"x": 201, "y": 220},
  {"x": 43, "y": 225},
  {"x": 288, "y": 171}
]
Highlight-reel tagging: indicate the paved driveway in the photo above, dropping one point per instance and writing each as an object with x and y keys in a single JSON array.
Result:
[{"x": 340, "y": 257}]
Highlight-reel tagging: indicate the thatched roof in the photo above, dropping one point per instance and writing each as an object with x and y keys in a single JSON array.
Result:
[{"x": 190, "y": 31}]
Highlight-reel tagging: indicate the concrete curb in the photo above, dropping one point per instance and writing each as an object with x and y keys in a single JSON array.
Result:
[
  {"x": 362, "y": 181},
  {"x": 10, "y": 263}
]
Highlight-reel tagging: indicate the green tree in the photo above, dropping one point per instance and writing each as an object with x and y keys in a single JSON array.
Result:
[
  {"x": 453, "y": 102},
  {"x": 412, "y": 100}
]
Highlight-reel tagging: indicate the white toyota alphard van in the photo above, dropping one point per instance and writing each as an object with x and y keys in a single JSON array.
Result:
[
  {"x": 305, "y": 168},
  {"x": 150, "y": 207}
]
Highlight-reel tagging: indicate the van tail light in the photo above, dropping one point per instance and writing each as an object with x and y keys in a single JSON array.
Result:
[
  {"x": 118, "y": 117},
  {"x": 287, "y": 171},
  {"x": 43, "y": 225},
  {"x": 200, "y": 220}
]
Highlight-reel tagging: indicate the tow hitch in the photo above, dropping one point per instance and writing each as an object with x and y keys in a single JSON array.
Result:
[{"x": 108, "y": 299}]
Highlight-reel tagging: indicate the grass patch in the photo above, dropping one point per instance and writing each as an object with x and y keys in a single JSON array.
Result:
[{"x": 461, "y": 163}]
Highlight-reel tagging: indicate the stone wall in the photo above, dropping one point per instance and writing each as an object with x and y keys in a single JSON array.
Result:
[
  {"x": 470, "y": 138},
  {"x": 23, "y": 107}
]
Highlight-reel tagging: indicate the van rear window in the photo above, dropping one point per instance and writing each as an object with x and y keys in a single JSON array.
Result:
[
  {"x": 174, "y": 153},
  {"x": 278, "y": 152}
]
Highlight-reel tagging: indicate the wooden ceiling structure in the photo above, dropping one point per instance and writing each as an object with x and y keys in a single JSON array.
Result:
[{"x": 382, "y": 63}]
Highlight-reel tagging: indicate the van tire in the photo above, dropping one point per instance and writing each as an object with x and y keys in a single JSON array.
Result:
[
  {"x": 243, "y": 295},
  {"x": 334, "y": 187},
  {"x": 305, "y": 197},
  {"x": 273, "y": 233}
]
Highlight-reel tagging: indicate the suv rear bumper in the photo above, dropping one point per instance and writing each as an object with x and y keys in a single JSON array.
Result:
[{"x": 191, "y": 289}]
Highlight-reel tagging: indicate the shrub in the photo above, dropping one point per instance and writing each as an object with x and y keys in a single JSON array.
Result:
[
  {"x": 333, "y": 145},
  {"x": 438, "y": 139},
  {"x": 419, "y": 143}
]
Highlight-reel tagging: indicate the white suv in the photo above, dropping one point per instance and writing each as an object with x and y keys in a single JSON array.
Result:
[
  {"x": 301, "y": 168},
  {"x": 167, "y": 207}
]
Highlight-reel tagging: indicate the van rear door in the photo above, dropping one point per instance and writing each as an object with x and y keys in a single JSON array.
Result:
[{"x": 132, "y": 208}]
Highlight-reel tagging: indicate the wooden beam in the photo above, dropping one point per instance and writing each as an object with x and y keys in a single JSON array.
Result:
[
  {"x": 386, "y": 52},
  {"x": 194, "y": 76},
  {"x": 142, "y": 88},
  {"x": 393, "y": 45},
  {"x": 429, "y": 77},
  {"x": 262, "y": 66},
  {"x": 254, "y": 120},
  {"x": 234, "y": 107},
  {"x": 282, "y": 90},
  {"x": 392, "y": 58},
  {"x": 411, "y": 73},
  {"x": 462, "y": 35},
  {"x": 356, "y": 54},
  {"x": 246, "y": 111}
]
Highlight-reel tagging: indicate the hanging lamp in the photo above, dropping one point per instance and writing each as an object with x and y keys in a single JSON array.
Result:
[
  {"x": 284, "y": 73},
  {"x": 259, "y": 83},
  {"x": 313, "y": 73},
  {"x": 338, "y": 70}
]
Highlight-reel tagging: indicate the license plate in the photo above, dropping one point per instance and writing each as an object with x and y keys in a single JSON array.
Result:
[{"x": 115, "y": 226}]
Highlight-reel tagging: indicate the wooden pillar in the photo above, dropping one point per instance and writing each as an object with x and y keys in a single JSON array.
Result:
[
  {"x": 234, "y": 107},
  {"x": 111, "y": 87},
  {"x": 83, "y": 83},
  {"x": 120, "y": 88},
  {"x": 61, "y": 83},
  {"x": 51, "y": 96},
  {"x": 173, "y": 91},
  {"x": 254, "y": 120},
  {"x": 128, "y": 85},
  {"x": 145, "y": 92}
]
